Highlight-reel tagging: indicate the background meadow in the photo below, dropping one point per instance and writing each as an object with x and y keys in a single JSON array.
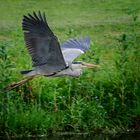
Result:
[{"x": 105, "y": 99}]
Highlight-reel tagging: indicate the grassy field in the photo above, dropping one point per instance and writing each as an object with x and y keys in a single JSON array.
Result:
[{"x": 104, "y": 100}]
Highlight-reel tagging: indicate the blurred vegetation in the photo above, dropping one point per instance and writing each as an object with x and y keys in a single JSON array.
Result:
[{"x": 105, "y": 99}]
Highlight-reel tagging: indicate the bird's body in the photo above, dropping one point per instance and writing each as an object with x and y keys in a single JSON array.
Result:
[
  {"x": 71, "y": 70},
  {"x": 48, "y": 56}
]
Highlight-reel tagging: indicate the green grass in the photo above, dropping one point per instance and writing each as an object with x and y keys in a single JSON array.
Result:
[{"x": 100, "y": 100}]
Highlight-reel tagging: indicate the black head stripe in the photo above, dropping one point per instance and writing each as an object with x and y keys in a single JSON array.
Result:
[{"x": 78, "y": 62}]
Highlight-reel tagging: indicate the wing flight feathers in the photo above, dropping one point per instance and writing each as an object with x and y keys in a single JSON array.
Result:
[
  {"x": 41, "y": 43},
  {"x": 73, "y": 48},
  {"x": 82, "y": 44}
]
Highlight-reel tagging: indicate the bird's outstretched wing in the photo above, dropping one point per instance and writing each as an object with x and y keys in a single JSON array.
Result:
[
  {"x": 72, "y": 48},
  {"x": 41, "y": 43}
]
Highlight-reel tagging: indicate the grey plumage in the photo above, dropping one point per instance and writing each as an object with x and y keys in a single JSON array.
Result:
[
  {"x": 48, "y": 57},
  {"x": 82, "y": 44},
  {"x": 42, "y": 44},
  {"x": 72, "y": 48},
  {"x": 25, "y": 71}
]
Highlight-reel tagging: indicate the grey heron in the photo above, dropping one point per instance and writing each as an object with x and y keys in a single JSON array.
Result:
[{"x": 49, "y": 58}]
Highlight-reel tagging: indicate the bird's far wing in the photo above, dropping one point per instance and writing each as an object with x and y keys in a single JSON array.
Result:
[
  {"x": 41, "y": 43},
  {"x": 71, "y": 54},
  {"x": 72, "y": 48},
  {"x": 82, "y": 44}
]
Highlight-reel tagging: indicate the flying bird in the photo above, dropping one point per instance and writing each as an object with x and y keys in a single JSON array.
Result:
[{"x": 49, "y": 57}]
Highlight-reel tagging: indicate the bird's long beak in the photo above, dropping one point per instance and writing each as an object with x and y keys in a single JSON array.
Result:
[{"x": 88, "y": 65}]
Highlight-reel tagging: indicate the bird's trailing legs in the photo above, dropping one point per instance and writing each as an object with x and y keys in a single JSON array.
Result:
[{"x": 14, "y": 85}]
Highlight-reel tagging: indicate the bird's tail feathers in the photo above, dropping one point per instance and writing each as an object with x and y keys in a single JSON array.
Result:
[{"x": 28, "y": 73}]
